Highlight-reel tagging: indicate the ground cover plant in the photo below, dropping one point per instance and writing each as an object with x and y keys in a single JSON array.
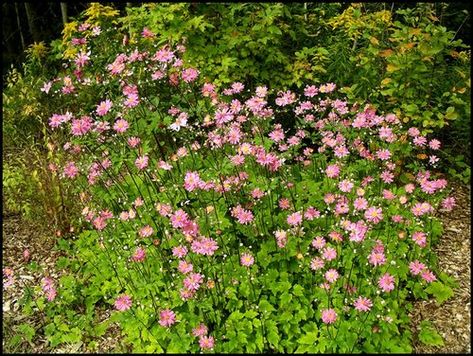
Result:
[{"x": 219, "y": 218}]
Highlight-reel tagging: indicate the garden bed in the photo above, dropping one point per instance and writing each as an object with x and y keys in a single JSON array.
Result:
[{"x": 452, "y": 319}]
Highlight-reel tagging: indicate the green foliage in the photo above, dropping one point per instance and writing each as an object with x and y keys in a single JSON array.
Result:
[
  {"x": 440, "y": 291},
  {"x": 428, "y": 335},
  {"x": 250, "y": 43}
]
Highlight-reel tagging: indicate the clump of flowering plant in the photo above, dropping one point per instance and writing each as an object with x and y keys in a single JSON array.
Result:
[{"x": 239, "y": 221}]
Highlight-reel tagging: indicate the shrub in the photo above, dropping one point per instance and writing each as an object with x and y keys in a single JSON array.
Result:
[{"x": 236, "y": 220}]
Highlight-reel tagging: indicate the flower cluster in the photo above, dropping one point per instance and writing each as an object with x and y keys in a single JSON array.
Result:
[{"x": 248, "y": 208}]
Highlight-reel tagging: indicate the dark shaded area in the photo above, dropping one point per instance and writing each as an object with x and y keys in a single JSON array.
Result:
[{"x": 45, "y": 24}]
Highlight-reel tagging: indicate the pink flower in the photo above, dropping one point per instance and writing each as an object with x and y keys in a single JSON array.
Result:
[
  {"x": 377, "y": 258},
  {"x": 329, "y": 253},
  {"x": 335, "y": 236},
  {"x": 383, "y": 154},
  {"x": 448, "y": 203},
  {"x": 257, "y": 193},
  {"x": 285, "y": 98},
  {"x": 70, "y": 170},
  {"x": 413, "y": 131},
  {"x": 190, "y": 228},
  {"x": 200, "y": 330},
  {"x": 317, "y": 263},
  {"x": 419, "y": 238},
  {"x": 185, "y": 267},
  {"x": 329, "y": 316},
  {"x": 281, "y": 238},
  {"x": 133, "y": 141},
  {"x": 386, "y": 282},
  {"x": 387, "y": 177},
  {"x": 186, "y": 294},
  {"x": 237, "y": 87},
  {"x": 46, "y": 87},
  {"x": 81, "y": 126},
  {"x": 284, "y": 203},
  {"x": 138, "y": 202},
  {"x": 167, "y": 318},
  {"x": 327, "y": 88},
  {"x": 82, "y": 59},
  {"x": 164, "y": 165},
  {"x": 121, "y": 125},
  {"x": 139, "y": 255},
  {"x": 397, "y": 218},
  {"x": 163, "y": 55},
  {"x": 206, "y": 246},
  {"x": 294, "y": 219},
  {"x": 193, "y": 281},
  {"x": 318, "y": 242},
  {"x": 419, "y": 141},
  {"x": 409, "y": 188},
  {"x": 341, "y": 151},
  {"x": 179, "y": 251},
  {"x": 345, "y": 185},
  {"x": 388, "y": 195},
  {"x": 331, "y": 275},
  {"x": 261, "y": 92},
  {"x": 416, "y": 267},
  {"x": 99, "y": 223},
  {"x": 311, "y": 91},
  {"x": 51, "y": 295},
  {"x": 26, "y": 255},
  {"x": 146, "y": 231},
  {"x": 208, "y": 89},
  {"x": 363, "y": 304},
  {"x": 428, "y": 276},
  {"x": 332, "y": 171},
  {"x": 374, "y": 215},
  {"x": 206, "y": 342},
  {"x": 55, "y": 120},
  {"x": 243, "y": 216},
  {"x": 192, "y": 181},
  {"x": 179, "y": 218},
  {"x": 157, "y": 75},
  {"x": 247, "y": 259},
  {"x": 141, "y": 162},
  {"x": 277, "y": 135},
  {"x": 189, "y": 75},
  {"x": 123, "y": 303},
  {"x": 131, "y": 101},
  {"x": 420, "y": 209},
  {"x": 434, "y": 144},
  {"x": 360, "y": 204},
  {"x": 311, "y": 213},
  {"x": 146, "y": 33},
  {"x": 103, "y": 107}
]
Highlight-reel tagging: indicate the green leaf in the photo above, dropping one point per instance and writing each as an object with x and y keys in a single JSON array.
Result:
[
  {"x": 298, "y": 290},
  {"x": 285, "y": 299},
  {"x": 272, "y": 333},
  {"x": 309, "y": 338},
  {"x": 428, "y": 335},
  {"x": 251, "y": 314},
  {"x": 27, "y": 331},
  {"x": 265, "y": 306},
  {"x": 440, "y": 291}
]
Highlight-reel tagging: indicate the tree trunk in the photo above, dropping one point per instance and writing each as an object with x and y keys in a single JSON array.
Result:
[
  {"x": 19, "y": 27},
  {"x": 64, "y": 12},
  {"x": 31, "y": 25}
]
